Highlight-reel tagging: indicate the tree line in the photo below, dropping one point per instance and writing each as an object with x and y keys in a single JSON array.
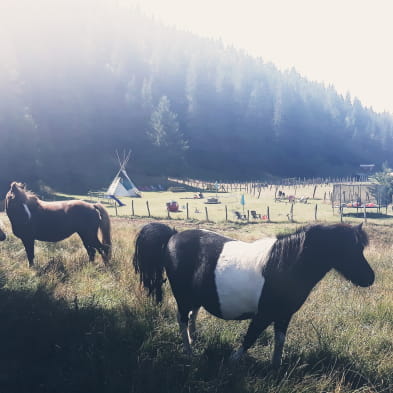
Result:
[{"x": 75, "y": 89}]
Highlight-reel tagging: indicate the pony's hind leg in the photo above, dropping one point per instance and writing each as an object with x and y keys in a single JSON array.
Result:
[
  {"x": 183, "y": 320},
  {"x": 91, "y": 252},
  {"x": 192, "y": 324}
]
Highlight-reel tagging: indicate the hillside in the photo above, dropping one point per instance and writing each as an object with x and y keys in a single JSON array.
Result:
[{"x": 74, "y": 87}]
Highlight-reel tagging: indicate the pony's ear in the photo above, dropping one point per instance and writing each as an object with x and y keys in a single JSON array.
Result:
[{"x": 361, "y": 235}]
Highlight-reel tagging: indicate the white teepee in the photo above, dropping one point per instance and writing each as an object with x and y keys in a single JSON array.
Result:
[{"x": 122, "y": 185}]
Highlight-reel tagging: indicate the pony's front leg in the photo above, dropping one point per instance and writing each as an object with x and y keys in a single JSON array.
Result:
[
  {"x": 29, "y": 247},
  {"x": 258, "y": 324},
  {"x": 280, "y": 330}
]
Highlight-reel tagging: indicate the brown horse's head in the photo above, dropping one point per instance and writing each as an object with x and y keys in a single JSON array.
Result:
[
  {"x": 17, "y": 193},
  {"x": 18, "y": 197},
  {"x": 19, "y": 206}
]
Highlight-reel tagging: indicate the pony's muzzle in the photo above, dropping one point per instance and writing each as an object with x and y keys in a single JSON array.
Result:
[{"x": 367, "y": 281}]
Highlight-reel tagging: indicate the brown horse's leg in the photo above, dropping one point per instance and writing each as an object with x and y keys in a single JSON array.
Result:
[
  {"x": 89, "y": 247},
  {"x": 104, "y": 252},
  {"x": 92, "y": 244},
  {"x": 29, "y": 247},
  {"x": 103, "y": 249}
]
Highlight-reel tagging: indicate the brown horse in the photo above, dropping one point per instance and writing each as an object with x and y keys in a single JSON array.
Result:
[{"x": 33, "y": 219}]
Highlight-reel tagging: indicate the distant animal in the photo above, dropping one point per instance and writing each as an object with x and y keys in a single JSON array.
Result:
[
  {"x": 33, "y": 219},
  {"x": 2, "y": 235},
  {"x": 266, "y": 281}
]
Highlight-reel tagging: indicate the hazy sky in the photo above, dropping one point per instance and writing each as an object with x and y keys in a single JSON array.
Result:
[{"x": 347, "y": 43}]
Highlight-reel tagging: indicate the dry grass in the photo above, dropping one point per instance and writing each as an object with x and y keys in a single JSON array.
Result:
[
  {"x": 72, "y": 326},
  {"x": 279, "y": 211}
]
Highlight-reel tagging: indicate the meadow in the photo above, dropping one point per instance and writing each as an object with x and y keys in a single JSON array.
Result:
[
  {"x": 317, "y": 207},
  {"x": 73, "y": 326}
]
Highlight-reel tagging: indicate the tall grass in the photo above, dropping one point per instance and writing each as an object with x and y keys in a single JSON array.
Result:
[{"x": 73, "y": 326}]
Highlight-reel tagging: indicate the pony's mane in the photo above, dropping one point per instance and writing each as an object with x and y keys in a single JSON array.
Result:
[
  {"x": 288, "y": 248},
  {"x": 361, "y": 237}
]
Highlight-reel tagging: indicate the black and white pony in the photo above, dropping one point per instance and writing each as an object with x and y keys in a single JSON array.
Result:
[{"x": 266, "y": 281}]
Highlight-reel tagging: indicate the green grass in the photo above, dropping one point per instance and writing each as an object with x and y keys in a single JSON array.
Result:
[
  {"x": 73, "y": 326},
  {"x": 224, "y": 212}
]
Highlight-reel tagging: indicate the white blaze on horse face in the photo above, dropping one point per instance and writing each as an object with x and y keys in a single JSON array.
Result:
[
  {"x": 238, "y": 276},
  {"x": 27, "y": 210}
]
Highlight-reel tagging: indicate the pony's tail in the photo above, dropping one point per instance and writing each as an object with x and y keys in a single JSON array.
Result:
[
  {"x": 105, "y": 227},
  {"x": 150, "y": 245}
]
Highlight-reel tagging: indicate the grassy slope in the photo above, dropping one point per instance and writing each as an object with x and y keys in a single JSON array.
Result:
[
  {"x": 302, "y": 213},
  {"x": 72, "y": 326}
]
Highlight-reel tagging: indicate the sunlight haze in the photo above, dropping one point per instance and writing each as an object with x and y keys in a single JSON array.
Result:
[{"x": 341, "y": 43}]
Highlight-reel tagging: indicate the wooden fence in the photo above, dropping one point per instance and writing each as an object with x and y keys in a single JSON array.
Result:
[{"x": 249, "y": 216}]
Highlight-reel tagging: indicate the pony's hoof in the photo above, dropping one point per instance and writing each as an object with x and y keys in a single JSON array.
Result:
[
  {"x": 236, "y": 355},
  {"x": 188, "y": 353}
]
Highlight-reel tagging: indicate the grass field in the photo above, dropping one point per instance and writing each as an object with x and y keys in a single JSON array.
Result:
[
  {"x": 73, "y": 326},
  {"x": 220, "y": 213}
]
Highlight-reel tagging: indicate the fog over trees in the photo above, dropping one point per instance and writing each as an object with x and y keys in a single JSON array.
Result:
[{"x": 77, "y": 85}]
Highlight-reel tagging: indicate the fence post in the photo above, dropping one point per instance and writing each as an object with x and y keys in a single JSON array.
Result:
[
  {"x": 207, "y": 215},
  {"x": 116, "y": 208},
  {"x": 132, "y": 208},
  {"x": 268, "y": 214},
  {"x": 365, "y": 215},
  {"x": 248, "y": 215},
  {"x": 315, "y": 212},
  {"x": 169, "y": 216},
  {"x": 226, "y": 213},
  {"x": 313, "y": 194},
  {"x": 148, "y": 209},
  {"x": 291, "y": 213},
  {"x": 187, "y": 211}
]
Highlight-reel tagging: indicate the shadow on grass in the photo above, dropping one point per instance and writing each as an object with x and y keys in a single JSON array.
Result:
[
  {"x": 371, "y": 215},
  {"x": 323, "y": 362},
  {"x": 47, "y": 345}
]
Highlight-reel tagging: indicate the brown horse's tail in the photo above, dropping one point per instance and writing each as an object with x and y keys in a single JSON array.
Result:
[{"x": 105, "y": 227}]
